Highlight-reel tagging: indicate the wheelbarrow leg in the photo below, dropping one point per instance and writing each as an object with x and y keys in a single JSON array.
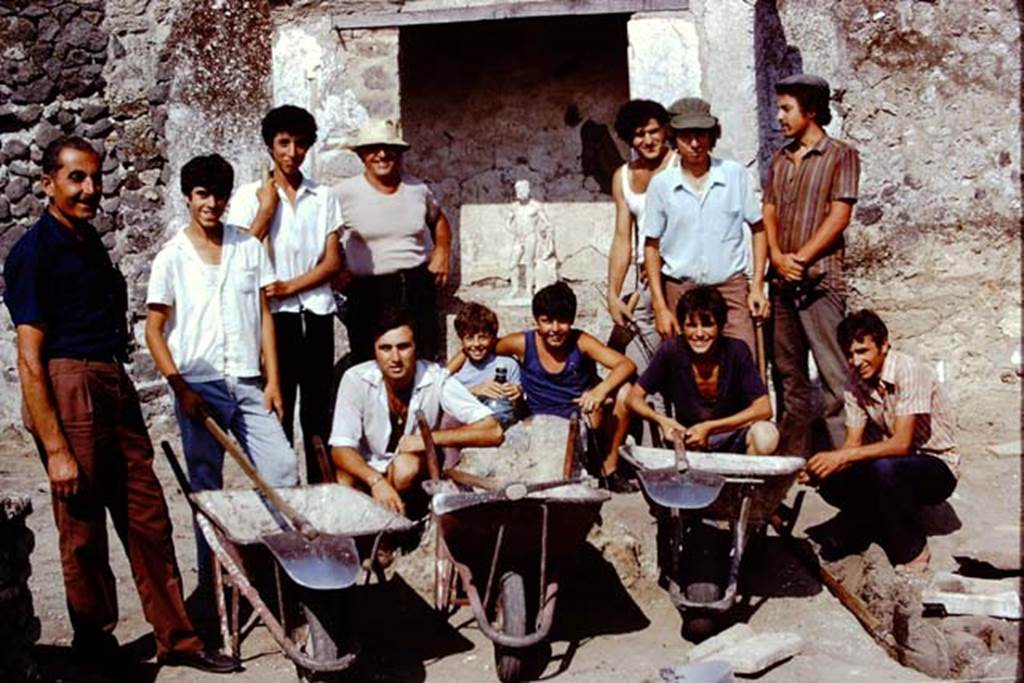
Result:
[
  {"x": 222, "y": 612},
  {"x": 236, "y": 599}
]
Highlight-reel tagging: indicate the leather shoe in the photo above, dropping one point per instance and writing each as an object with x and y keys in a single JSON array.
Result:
[{"x": 204, "y": 660}]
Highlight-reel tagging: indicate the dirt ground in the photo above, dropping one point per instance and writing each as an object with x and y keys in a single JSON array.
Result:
[{"x": 607, "y": 628}]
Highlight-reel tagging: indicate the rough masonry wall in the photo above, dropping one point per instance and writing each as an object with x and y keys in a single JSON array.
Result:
[{"x": 929, "y": 94}]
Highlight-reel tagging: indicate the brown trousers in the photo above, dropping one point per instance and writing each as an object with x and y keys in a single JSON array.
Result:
[
  {"x": 739, "y": 324},
  {"x": 100, "y": 415}
]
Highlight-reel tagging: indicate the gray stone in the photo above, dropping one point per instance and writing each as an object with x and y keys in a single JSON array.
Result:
[
  {"x": 65, "y": 119},
  {"x": 983, "y": 597},
  {"x": 36, "y": 155},
  {"x": 728, "y": 638},
  {"x": 22, "y": 168},
  {"x": 110, "y": 204},
  {"x": 47, "y": 133},
  {"x": 17, "y": 187},
  {"x": 24, "y": 207},
  {"x": 16, "y": 149},
  {"x": 158, "y": 93},
  {"x": 39, "y": 90},
  {"x": 48, "y": 29},
  {"x": 94, "y": 112},
  {"x": 100, "y": 129},
  {"x": 5, "y": 209}
]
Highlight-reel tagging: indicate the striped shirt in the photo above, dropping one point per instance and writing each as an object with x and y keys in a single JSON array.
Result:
[
  {"x": 907, "y": 387},
  {"x": 802, "y": 194}
]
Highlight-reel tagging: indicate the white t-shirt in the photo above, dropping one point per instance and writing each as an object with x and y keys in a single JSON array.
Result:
[
  {"x": 386, "y": 233},
  {"x": 297, "y": 237},
  {"x": 361, "y": 415},
  {"x": 214, "y": 327}
]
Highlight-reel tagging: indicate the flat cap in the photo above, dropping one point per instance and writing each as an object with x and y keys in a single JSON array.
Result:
[
  {"x": 806, "y": 80},
  {"x": 691, "y": 113}
]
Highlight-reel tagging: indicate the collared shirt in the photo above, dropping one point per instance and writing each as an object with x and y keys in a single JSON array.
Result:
[
  {"x": 385, "y": 233},
  {"x": 362, "y": 418},
  {"x": 670, "y": 372},
  {"x": 700, "y": 232},
  {"x": 802, "y": 195},
  {"x": 214, "y": 329},
  {"x": 66, "y": 281},
  {"x": 297, "y": 238},
  {"x": 907, "y": 387}
]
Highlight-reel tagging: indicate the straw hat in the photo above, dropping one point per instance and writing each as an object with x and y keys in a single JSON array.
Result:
[{"x": 379, "y": 132}]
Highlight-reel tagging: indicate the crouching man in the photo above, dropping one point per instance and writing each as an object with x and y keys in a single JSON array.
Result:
[
  {"x": 719, "y": 400},
  {"x": 899, "y": 453},
  {"x": 376, "y": 445},
  {"x": 207, "y": 326}
]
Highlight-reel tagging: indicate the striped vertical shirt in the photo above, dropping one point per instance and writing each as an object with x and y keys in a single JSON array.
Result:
[
  {"x": 802, "y": 194},
  {"x": 907, "y": 387}
]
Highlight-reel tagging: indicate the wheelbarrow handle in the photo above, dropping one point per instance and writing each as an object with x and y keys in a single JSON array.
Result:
[
  {"x": 179, "y": 473},
  {"x": 284, "y": 507},
  {"x": 428, "y": 444}
]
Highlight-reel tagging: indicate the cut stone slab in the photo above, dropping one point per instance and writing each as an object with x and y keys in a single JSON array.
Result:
[
  {"x": 702, "y": 672},
  {"x": 982, "y": 597},
  {"x": 724, "y": 640}
]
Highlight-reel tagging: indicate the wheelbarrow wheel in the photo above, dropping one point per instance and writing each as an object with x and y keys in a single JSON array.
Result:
[
  {"x": 329, "y": 632},
  {"x": 699, "y": 624},
  {"x": 511, "y": 615}
]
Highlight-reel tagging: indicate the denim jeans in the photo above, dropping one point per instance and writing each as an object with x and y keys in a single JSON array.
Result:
[
  {"x": 237, "y": 406},
  {"x": 887, "y": 495}
]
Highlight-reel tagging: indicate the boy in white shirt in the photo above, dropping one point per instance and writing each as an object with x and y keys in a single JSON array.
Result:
[{"x": 207, "y": 325}]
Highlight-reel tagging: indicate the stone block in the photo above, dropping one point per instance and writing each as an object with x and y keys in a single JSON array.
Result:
[
  {"x": 984, "y": 597},
  {"x": 664, "y": 58},
  {"x": 726, "y": 639},
  {"x": 760, "y": 652},
  {"x": 17, "y": 188},
  {"x": 16, "y": 149}
]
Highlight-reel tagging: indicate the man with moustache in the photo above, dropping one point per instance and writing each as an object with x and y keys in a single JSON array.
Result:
[
  {"x": 299, "y": 220},
  {"x": 69, "y": 305},
  {"x": 643, "y": 125},
  {"x": 207, "y": 328},
  {"x": 808, "y": 200},
  {"x": 694, "y": 228},
  {"x": 376, "y": 445}
]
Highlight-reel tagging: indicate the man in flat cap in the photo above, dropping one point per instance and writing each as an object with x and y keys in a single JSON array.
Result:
[
  {"x": 697, "y": 212},
  {"x": 808, "y": 199}
]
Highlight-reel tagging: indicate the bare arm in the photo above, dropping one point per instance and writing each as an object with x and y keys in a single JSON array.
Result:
[
  {"x": 268, "y": 201},
  {"x": 439, "y": 258},
  {"x": 324, "y": 271},
  {"x": 637, "y": 403},
  {"x": 831, "y": 228},
  {"x": 759, "y": 409},
  {"x": 664, "y": 319},
  {"x": 156, "y": 319},
  {"x": 482, "y": 433},
  {"x": 268, "y": 345},
  {"x": 756, "y": 302},
  {"x": 621, "y": 251},
  {"x": 621, "y": 367},
  {"x": 826, "y": 463},
  {"x": 61, "y": 466},
  {"x": 512, "y": 345}
]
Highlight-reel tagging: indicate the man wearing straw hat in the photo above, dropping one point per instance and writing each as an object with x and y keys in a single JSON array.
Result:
[
  {"x": 694, "y": 227},
  {"x": 397, "y": 241},
  {"x": 298, "y": 219}
]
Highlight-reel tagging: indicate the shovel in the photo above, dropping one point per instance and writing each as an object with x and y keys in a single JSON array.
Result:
[
  {"x": 310, "y": 558},
  {"x": 679, "y": 486},
  {"x": 494, "y": 492}
]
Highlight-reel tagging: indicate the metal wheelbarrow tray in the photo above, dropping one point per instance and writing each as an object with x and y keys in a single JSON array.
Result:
[
  {"x": 233, "y": 519},
  {"x": 514, "y": 550},
  {"x": 755, "y": 485}
]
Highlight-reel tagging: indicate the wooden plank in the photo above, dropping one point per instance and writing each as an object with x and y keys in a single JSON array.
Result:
[{"x": 503, "y": 9}]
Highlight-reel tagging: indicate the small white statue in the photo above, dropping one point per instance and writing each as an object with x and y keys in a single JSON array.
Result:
[{"x": 534, "y": 263}]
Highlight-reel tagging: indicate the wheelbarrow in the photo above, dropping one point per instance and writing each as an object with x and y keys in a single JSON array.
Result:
[
  {"x": 700, "y": 574},
  {"x": 510, "y": 539},
  {"x": 237, "y": 522}
]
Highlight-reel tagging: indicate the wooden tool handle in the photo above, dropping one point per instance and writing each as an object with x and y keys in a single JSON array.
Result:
[
  {"x": 428, "y": 444},
  {"x": 467, "y": 479},
  {"x": 762, "y": 361},
  {"x": 284, "y": 507},
  {"x": 570, "y": 445}
]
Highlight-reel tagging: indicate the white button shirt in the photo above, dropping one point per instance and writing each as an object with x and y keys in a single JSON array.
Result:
[
  {"x": 701, "y": 234},
  {"x": 297, "y": 238},
  {"x": 361, "y": 414},
  {"x": 214, "y": 328}
]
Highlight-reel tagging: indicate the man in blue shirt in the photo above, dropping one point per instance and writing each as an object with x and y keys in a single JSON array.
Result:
[
  {"x": 69, "y": 305},
  {"x": 694, "y": 227}
]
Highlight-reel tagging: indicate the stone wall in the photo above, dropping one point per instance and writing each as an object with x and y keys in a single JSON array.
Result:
[
  {"x": 929, "y": 93},
  {"x": 19, "y": 628}
]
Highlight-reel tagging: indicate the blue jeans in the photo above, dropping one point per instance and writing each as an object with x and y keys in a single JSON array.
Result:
[
  {"x": 237, "y": 406},
  {"x": 887, "y": 495}
]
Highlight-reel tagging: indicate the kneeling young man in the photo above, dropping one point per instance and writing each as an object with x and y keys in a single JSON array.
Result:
[
  {"x": 207, "y": 327},
  {"x": 900, "y": 453},
  {"x": 719, "y": 400},
  {"x": 375, "y": 441}
]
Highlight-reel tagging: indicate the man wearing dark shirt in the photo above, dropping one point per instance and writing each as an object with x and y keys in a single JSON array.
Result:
[
  {"x": 69, "y": 305},
  {"x": 719, "y": 401}
]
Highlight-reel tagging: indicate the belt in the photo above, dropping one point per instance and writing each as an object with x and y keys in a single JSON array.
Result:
[{"x": 90, "y": 357}]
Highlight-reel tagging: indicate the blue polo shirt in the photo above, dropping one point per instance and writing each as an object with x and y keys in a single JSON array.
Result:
[
  {"x": 671, "y": 373},
  {"x": 67, "y": 283},
  {"x": 701, "y": 233}
]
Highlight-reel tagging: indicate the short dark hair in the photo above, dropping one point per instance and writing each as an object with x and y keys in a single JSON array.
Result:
[
  {"x": 637, "y": 113},
  {"x": 288, "y": 119},
  {"x": 715, "y": 133},
  {"x": 812, "y": 100},
  {"x": 212, "y": 172},
  {"x": 705, "y": 303},
  {"x": 860, "y": 324},
  {"x": 556, "y": 301},
  {"x": 475, "y": 318},
  {"x": 51, "y": 155},
  {"x": 390, "y": 318}
]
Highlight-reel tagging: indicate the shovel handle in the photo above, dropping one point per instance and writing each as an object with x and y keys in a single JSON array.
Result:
[
  {"x": 570, "y": 445},
  {"x": 179, "y": 473},
  {"x": 284, "y": 507},
  {"x": 428, "y": 443},
  {"x": 762, "y": 361}
]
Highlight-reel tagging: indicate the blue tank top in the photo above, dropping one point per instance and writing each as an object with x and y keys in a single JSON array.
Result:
[{"x": 550, "y": 393}]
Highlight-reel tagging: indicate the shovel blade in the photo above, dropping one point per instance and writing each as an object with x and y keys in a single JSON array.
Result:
[
  {"x": 327, "y": 562},
  {"x": 689, "y": 490}
]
